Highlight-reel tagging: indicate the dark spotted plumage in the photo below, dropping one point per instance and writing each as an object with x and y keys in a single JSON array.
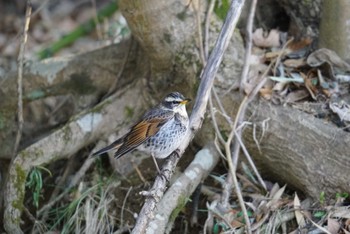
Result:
[{"x": 159, "y": 132}]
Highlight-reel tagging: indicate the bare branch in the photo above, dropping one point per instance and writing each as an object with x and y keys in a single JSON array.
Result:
[
  {"x": 20, "y": 78},
  {"x": 205, "y": 160},
  {"x": 249, "y": 43}
]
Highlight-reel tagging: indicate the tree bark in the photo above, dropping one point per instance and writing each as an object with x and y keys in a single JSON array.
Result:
[
  {"x": 297, "y": 149},
  {"x": 164, "y": 28}
]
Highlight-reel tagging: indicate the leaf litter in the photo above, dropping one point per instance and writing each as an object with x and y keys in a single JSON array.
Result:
[{"x": 316, "y": 82}]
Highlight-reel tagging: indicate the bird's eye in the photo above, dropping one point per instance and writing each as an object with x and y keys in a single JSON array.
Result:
[{"x": 175, "y": 102}]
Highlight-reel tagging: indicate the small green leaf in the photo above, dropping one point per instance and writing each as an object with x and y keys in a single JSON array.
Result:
[{"x": 319, "y": 214}]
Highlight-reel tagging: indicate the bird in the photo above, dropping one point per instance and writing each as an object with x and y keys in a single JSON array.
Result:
[{"x": 159, "y": 132}]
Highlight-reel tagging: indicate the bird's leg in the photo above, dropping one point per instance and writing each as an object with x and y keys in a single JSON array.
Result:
[{"x": 155, "y": 162}]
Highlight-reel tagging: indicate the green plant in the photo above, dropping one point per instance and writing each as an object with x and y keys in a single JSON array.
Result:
[
  {"x": 322, "y": 198},
  {"x": 35, "y": 183},
  {"x": 342, "y": 195}
]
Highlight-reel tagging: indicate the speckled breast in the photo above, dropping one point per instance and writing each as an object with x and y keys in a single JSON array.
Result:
[{"x": 167, "y": 139}]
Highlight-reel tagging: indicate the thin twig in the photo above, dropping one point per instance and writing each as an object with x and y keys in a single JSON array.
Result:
[
  {"x": 98, "y": 26},
  {"x": 206, "y": 30},
  {"x": 249, "y": 43},
  {"x": 232, "y": 159},
  {"x": 139, "y": 173},
  {"x": 123, "y": 207},
  {"x": 279, "y": 57},
  {"x": 20, "y": 78},
  {"x": 196, "y": 5},
  {"x": 214, "y": 122},
  {"x": 222, "y": 109},
  {"x": 250, "y": 161}
]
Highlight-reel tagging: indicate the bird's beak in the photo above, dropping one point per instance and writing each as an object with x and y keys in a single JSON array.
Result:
[{"x": 184, "y": 102}]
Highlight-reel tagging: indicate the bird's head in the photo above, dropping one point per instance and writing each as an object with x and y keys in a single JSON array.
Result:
[{"x": 176, "y": 102}]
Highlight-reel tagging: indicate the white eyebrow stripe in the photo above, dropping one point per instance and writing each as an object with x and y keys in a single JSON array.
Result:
[{"x": 171, "y": 99}]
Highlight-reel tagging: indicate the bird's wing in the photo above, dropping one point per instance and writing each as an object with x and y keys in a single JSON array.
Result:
[
  {"x": 144, "y": 129},
  {"x": 114, "y": 146}
]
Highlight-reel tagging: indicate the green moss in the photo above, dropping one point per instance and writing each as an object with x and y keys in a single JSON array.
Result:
[
  {"x": 181, "y": 204},
  {"x": 221, "y": 8},
  {"x": 167, "y": 38},
  {"x": 67, "y": 134},
  {"x": 2, "y": 121},
  {"x": 78, "y": 84},
  {"x": 19, "y": 183},
  {"x": 35, "y": 94},
  {"x": 195, "y": 85},
  {"x": 307, "y": 2},
  {"x": 99, "y": 107},
  {"x": 129, "y": 112},
  {"x": 182, "y": 15}
]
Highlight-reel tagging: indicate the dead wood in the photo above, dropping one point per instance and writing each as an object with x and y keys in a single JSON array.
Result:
[
  {"x": 305, "y": 152},
  {"x": 82, "y": 79},
  {"x": 82, "y": 130},
  {"x": 179, "y": 192}
]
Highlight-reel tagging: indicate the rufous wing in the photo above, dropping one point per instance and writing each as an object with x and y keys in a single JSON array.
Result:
[{"x": 140, "y": 132}]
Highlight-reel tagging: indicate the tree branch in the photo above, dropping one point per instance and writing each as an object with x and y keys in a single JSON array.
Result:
[{"x": 175, "y": 197}]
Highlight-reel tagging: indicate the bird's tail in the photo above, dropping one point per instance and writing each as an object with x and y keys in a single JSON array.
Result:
[{"x": 114, "y": 146}]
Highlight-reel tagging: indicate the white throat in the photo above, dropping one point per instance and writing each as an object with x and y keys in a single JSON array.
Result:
[{"x": 181, "y": 110}]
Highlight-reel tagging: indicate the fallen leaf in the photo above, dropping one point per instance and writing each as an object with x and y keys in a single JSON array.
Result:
[
  {"x": 262, "y": 40},
  {"x": 333, "y": 226},
  {"x": 320, "y": 56},
  {"x": 342, "y": 110},
  {"x": 300, "y": 44},
  {"x": 297, "y": 95},
  {"x": 266, "y": 93},
  {"x": 274, "y": 203},
  {"x": 342, "y": 212},
  {"x": 298, "y": 215},
  {"x": 294, "y": 63}
]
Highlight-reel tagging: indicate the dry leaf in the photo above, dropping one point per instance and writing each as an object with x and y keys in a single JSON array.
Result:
[
  {"x": 309, "y": 86},
  {"x": 342, "y": 110},
  {"x": 262, "y": 40},
  {"x": 266, "y": 93},
  {"x": 280, "y": 86},
  {"x": 324, "y": 55},
  {"x": 294, "y": 63},
  {"x": 297, "y": 95},
  {"x": 298, "y": 215},
  {"x": 300, "y": 44},
  {"x": 341, "y": 212},
  {"x": 274, "y": 54},
  {"x": 275, "y": 201},
  {"x": 333, "y": 226}
]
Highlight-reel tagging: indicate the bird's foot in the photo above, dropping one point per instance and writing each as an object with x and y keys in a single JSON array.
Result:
[
  {"x": 177, "y": 153},
  {"x": 165, "y": 175}
]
